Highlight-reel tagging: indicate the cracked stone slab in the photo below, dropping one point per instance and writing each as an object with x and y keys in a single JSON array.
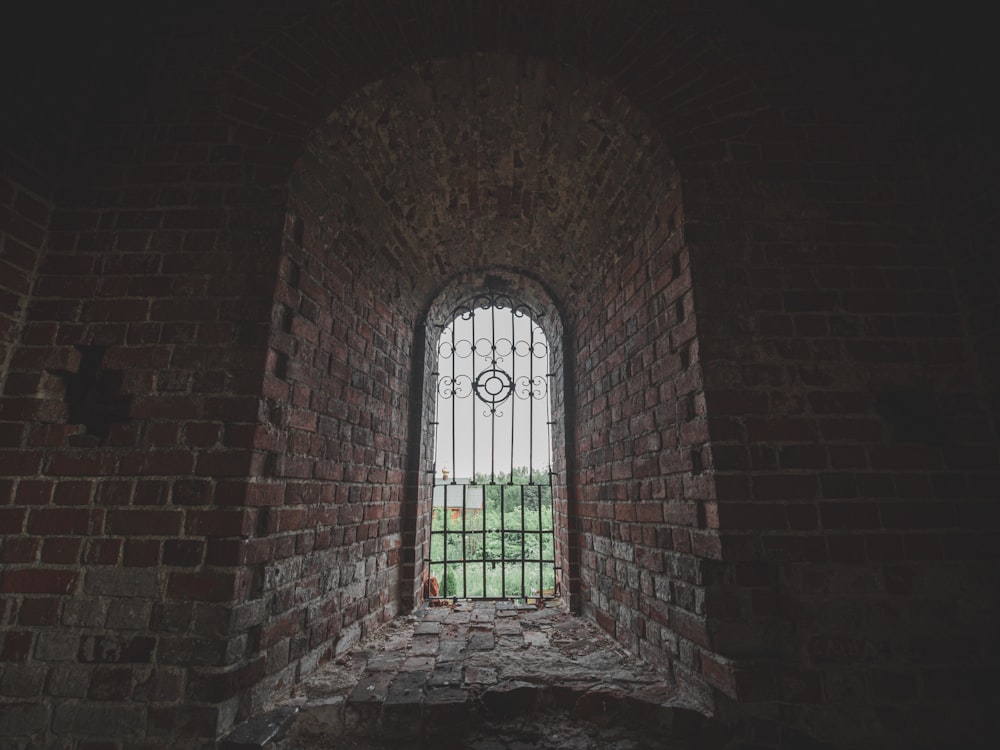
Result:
[
  {"x": 482, "y": 641},
  {"x": 258, "y": 731},
  {"x": 480, "y": 675},
  {"x": 536, "y": 638},
  {"x": 384, "y": 663},
  {"x": 371, "y": 689},
  {"x": 445, "y": 675},
  {"x": 427, "y": 628},
  {"x": 408, "y": 687},
  {"x": 424, "y": 645}
]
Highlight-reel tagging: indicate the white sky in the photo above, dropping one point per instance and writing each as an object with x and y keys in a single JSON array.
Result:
[{"x": 520, "y": 427}]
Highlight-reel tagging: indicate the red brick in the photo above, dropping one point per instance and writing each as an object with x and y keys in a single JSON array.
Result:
[
  {"x": 144, "y": 522},
  {"x": 38, "y": 581},
  {"x": 236, "y": 522},
  {"x": 42, "y": 611},
  {"x": 20, "y": 549},
  {"x": 12, "y": 520},
  {"x": 20, "y": 463},
  {"x": 165, "y": 463},
  {"x": 72, "y": 493},
  {"x": 34, "y": 492},
  {"x": 224, "y": 463},
  {"x": 82, "y": 464},
  {"x": 61, "y": 521},
  {"x": 141, "y": 553},
  {"x": 16, "y": 646},
  {"x": 65, "y": 550},
  {"x": 192, "y": 492},
  {"x": 102, "y": 551},
  {"x": 184, "y": 553},
  {"x": 204, "y": 586},
  {"x": 649, "y": 512}
]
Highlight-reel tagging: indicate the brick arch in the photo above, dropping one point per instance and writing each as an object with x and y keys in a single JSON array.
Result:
[
  {"x": 456, "y": 290},
  {"x": 681, "y": 66},
  {"x": 482, "y": 161},
  {"x": 452, "y": 167}
]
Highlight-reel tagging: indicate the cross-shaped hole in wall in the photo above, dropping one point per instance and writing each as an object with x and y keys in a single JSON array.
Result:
[{"x": 93, "y": 393}]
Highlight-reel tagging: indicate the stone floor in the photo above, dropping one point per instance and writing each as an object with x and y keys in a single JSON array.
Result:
[{"x": 489, "y": 676}]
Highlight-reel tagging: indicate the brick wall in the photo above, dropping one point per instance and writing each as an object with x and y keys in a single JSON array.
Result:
[
  {"x": 643, "y": 451},
  {"x": 333, "y": 440},
  {"x": 853, "y": 460},
  {"x": 129, "y": 410}
]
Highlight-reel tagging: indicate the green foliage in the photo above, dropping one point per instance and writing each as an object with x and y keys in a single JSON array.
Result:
[
  {"x": 450, "y": 582},
  {"x": 515, "y": 523}
]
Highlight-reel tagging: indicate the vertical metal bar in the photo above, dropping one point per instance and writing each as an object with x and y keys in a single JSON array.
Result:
[
  {"x": 503, "y": 541},
  {"x": 493, "y": 408},
  {"x": 465, "y": 554},
  {"x": 513, "y": 385},
  {"x": 472, "y": 399},
  {"x": 541, "y": 545},
  {"x": 531, "y": 401},
  {"x": 524, "y": 533},
  {"x": 485, "y": 592},
  {"x": 443, "y": 584},
  {"x": 454, "y": 406},
  {"x": 549, "y": 375}
]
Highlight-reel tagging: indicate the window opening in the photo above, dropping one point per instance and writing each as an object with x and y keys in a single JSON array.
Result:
[{"x": 492, "y": 534}]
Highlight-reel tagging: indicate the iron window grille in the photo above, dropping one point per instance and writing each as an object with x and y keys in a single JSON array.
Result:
[{"x": 492, "y": 533}]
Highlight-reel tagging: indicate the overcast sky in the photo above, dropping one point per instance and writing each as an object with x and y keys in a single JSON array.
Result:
[{"x": 519, "y": 427}]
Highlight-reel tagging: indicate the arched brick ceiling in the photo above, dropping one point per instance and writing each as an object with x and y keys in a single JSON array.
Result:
[
  {"x": 673, "y": 62},
  {"x": 283, "y": 66},
  {"x": 490, "y": 160}
]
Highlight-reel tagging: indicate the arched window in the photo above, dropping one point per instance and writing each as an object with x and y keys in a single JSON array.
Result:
[{"x": 492, "y": 532}]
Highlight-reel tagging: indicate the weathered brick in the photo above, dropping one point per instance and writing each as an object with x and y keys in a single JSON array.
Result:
[
  {"x": 122, "y": 582},
  {"x": 38, "y": 581}
]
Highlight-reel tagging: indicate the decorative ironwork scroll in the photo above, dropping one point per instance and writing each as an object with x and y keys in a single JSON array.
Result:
[{"x": 494, "y": 357}]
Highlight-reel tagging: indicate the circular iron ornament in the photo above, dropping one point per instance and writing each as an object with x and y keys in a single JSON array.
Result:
[
  {"x": 493, "y": 387},
  {"x": 502, "y": 348},
  {"x": 484, "y": 349},
  {"x": 445, "y": 350}
]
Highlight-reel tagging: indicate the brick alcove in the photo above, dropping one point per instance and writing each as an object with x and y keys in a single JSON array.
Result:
[
  {"x": 796, "y": 356},
  {"x": 428, "y": 181}
]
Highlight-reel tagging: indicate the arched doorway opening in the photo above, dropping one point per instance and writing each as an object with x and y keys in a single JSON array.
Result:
[
  {"x": 490, "y": 506},
  {"x": 492, "y": 533}
]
